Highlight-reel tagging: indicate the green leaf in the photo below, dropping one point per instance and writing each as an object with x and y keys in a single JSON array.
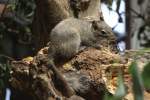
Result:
[
  {"x": 4, "y": 74},
  {"x": 108, "y": 97},
  {"x": 120, "y": 92},
  {"x": 146, "y": 76},
  {"x": 137, "y": 81}
]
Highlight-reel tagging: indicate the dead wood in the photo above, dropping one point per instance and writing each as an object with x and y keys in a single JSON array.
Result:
[{"x": 38, "y": 82}]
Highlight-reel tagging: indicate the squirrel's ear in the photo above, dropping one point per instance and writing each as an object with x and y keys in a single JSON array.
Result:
[{"x": 94, "y": 24}]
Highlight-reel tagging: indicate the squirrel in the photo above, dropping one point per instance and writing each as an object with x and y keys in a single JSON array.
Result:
[
  {"x": 69, "y": 36},
  {"x": 66, "y": 39}
]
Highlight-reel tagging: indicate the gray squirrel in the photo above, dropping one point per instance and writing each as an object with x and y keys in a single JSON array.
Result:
[{"x": 67, "y": 38}]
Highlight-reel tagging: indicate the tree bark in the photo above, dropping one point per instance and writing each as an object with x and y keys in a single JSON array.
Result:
[{"x": 93, "y": 11}]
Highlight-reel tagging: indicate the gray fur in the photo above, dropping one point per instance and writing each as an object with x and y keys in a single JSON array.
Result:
[{"x": 69, "y": 35}]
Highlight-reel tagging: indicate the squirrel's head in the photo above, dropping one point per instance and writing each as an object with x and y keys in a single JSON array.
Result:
[
  {"x": 102, "y": 29},
  {"x": 104, "y": 32}
]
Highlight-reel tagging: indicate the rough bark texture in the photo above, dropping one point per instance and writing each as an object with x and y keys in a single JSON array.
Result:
[
  {"x": 37, "y": 82},
  {"x": 93, "y": 10},
  {"x": 94, "y": 72}
]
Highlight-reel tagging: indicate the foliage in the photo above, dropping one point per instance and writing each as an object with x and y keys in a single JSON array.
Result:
[
  {"x": 17, "y": 17},
  {"x": 15, "y": 28},
  {"x": 120, "y": 92},
  {"x": 137, "y": 79},
  {"x": 146, "y": 75},
  {"x": 5, "y": 70},
  {"x": 137, "y": 82},
  {"x": 4, "y": 75}
]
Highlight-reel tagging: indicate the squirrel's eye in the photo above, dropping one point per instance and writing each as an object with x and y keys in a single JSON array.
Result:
[{"x": 103, "y": 32}]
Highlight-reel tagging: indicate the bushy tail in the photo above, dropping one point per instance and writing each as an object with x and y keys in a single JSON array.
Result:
[{"x": 60, "y": 81}]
